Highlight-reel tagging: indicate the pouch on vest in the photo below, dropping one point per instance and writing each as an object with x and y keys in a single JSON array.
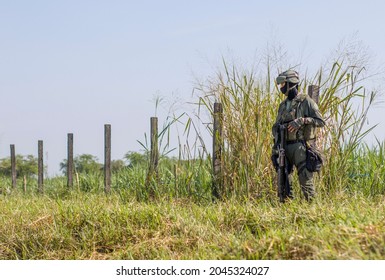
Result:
[{"x": 314, "y": 159}]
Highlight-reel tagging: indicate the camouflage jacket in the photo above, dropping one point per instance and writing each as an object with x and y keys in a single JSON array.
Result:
[{"x": 302, "y": 106}]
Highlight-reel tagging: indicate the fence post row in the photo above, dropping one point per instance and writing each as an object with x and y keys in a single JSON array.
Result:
[
  {"x": 40, "y": 168},
  {"x": 217, "y": 182},
  {"x": 13, "y": 166},
  {"x": 217, "y": 150},
  {"x": 70, "y": 159},
  {"x": 107, "y": 158}
]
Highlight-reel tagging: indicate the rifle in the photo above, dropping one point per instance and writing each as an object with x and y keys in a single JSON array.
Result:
[{"x": 283, "y": 179}]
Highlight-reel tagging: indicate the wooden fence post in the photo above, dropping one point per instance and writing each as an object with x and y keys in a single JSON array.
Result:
[
  {"x": 217, "y": 151},
  {"x": 70, "y": 159},
  {"x": 40, "y": 168},
  {"x": 107, "y": 158},
  {"x": 154, "y": 145},
  {"x": 154, "y": 157},
  {"x": 313, "y": 92},
  {"x": 13, "y": 166},
  {"x": 25, "y": 183}
]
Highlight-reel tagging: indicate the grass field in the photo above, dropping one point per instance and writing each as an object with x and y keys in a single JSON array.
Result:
[{"x": 95, "y": 226}]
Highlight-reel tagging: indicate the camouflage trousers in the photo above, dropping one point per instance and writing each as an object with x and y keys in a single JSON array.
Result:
[{"x": 296, "y": 156}]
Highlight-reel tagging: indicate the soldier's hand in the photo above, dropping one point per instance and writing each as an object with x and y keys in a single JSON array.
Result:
[{"x": 293, "y": 126}]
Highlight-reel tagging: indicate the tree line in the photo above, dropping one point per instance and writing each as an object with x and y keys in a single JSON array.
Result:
[{"x": 27, "y": 165}]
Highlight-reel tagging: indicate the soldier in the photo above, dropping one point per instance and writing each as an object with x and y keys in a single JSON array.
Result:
[{"x": 301, "y": 115}]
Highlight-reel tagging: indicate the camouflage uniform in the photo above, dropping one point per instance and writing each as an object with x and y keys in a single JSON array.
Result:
[{"x": 303, "y": 111}]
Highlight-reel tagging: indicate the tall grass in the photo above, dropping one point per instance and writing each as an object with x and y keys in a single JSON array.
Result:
[
  {"x": 250, "y": 104},
  {"x": 366, "y": 169}
]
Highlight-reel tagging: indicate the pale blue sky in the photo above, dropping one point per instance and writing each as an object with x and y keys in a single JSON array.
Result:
[{"x": 72, "y": 66}]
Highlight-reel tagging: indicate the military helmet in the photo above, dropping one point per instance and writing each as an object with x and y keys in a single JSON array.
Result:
[{"x": 290, "y": 76}]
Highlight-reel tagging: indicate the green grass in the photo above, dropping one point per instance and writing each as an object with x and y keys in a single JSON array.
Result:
[{"x": 95, "y": 226}]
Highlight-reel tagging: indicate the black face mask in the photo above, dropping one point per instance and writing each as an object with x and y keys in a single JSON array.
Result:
[
  {"x": 292, "y": 92},
  {"x": 284, "y": 88}
]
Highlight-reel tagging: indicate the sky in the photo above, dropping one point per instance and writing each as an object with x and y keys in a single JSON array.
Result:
[{"x": 73, "y": 66}]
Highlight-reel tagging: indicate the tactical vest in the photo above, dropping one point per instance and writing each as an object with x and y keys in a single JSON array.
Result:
[{"x": 297, "y": 108}]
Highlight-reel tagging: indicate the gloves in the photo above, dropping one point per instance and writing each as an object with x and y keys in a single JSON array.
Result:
[{"x": 293, "y": 126}]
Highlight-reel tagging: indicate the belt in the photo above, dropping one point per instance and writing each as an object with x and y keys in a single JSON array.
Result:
[
  {"x": 294, "y": 142},
  {"x": 298, "y": 141}
]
